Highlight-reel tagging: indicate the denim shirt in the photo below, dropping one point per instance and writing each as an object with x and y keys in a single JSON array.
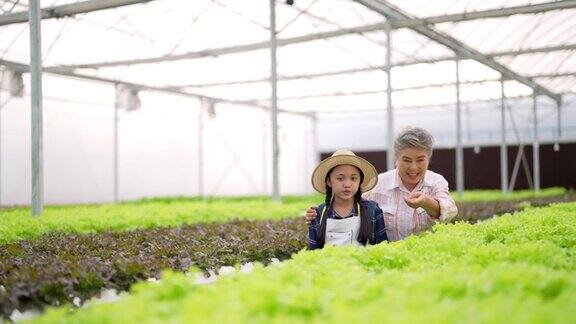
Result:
[{"x": 378, "y": 228}]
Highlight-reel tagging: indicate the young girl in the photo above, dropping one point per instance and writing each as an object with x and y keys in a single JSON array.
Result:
[{"x": 345, "y": 218}]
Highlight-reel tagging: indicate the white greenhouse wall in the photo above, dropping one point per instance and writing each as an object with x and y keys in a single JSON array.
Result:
[{"x": 158, "y": 147}]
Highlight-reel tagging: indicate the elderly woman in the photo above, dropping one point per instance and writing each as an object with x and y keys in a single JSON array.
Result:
[{"x": 412, "y": 197}]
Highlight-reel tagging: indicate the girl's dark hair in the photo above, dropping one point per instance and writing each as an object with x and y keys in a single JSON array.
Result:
[{"x": 365, "y": 221}]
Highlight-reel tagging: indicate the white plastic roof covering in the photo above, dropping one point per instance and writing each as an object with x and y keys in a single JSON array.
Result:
[{"x": 170, "y": 27}]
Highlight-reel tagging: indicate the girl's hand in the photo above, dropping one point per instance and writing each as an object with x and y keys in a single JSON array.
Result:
[{"x": 310, "y": 215}]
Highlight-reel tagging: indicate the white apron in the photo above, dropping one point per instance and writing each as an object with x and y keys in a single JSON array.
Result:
[{"x": 343, "y": 231}]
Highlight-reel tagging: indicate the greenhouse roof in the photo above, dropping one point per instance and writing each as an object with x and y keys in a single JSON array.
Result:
[{"x": 331, "y": 53}]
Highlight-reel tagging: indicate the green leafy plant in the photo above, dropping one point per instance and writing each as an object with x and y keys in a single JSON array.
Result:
[
  {"x": 60, "y": 267},
  {"x": 516, "y": 268},
  {"x": 17, "y": 224}
]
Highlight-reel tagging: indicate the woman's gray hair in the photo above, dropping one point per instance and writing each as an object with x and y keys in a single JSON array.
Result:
[{"x": 414, "y": 137}]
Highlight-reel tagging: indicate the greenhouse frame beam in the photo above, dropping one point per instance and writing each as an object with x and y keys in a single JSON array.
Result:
[
  {"x": 567, "y": 47},
  {"x": 380, "y": 67},
  {"x": 232, "y": 49},
  {"x": 446, "y": 84},
  {"x": 439, "y": 105},
  {"x": 491, "y": 13},
  {"x": 431, "y": 85},
  {"x": 419, "y": 87},
  {"x": 457, "y": 46},
  {"x": 25, "y": 68},
  {"x": 68, "y": 10},
  {"x": 547, "y": 49}
]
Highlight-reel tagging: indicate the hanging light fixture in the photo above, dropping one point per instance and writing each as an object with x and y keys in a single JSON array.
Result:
[
  {"x": 15, "y": 82},
  {"x": 209, "y": 106},
  {"x": 127, "y": 98}
]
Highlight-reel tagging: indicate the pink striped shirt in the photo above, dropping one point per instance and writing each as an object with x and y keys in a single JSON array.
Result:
[{"x": 402, "y": 220}]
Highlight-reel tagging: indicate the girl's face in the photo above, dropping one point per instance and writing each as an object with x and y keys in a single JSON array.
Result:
[
  {"x": 412, "y": 164},
  {"x": 344, "y": 180}
]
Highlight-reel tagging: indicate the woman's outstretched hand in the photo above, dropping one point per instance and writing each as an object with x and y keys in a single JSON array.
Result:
[
  {"x": 416, "y": 200},
  {"x": 429, "y": 204}
]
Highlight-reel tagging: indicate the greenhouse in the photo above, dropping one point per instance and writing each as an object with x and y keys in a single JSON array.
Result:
[{"x": 156, "y": 159}]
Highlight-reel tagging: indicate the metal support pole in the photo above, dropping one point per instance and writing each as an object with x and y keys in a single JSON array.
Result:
[
  {"x": 536, "y": 144},
  {"x": 116, "y": 110},
  {"x": 1, "y": 79},
  {"x": 459, "y": 149},
  {"x": 315, "y": 142},
  {"x": 503, "y": 146},
  {"x": 274, "y": 110},
  {"x": 265, "y": 143},
  {"x": 36, "y": 101},
  {"x": 315, "y": 138},
  {"x": 468, "y": 127},
  {"x": 201, "y": 149},
  {"x": 390, "y": 127},
  {"x": 559, "y": 117}
]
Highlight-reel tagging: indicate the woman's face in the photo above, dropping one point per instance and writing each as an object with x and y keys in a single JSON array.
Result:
[
  {"x": 344, "y": 180},
  {"x": 412, "y": 164}
]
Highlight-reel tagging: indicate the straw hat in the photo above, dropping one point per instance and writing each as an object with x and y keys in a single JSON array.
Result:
[{"x": 341, "y": 157}]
